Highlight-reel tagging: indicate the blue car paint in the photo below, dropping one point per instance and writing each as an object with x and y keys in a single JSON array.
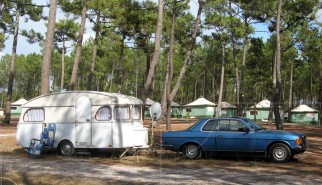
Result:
[{"x": 253, "y": 141}]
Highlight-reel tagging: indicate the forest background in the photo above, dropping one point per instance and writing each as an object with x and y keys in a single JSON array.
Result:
[{"x": 220, "y": 58}]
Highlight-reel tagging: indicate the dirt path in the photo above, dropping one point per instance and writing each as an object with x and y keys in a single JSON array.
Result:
[{"x": 130, "y": 174}]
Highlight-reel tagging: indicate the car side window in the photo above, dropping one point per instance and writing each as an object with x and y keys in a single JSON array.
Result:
[
  {"x": 236, "y": 126},
  {"x": 230, "y": 125},
  {"x": 210, "y": 126},
  {"x": 224, "y": 125}
]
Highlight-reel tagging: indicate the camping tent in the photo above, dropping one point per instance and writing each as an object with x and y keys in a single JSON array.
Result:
[
  {"x": 304, "y": 114},
  {"x": 16, "y": 107},
  {"x": 261, "y": 110},
  {"x": 199, "y": 108},
  {"x": 227, "y": 110}
]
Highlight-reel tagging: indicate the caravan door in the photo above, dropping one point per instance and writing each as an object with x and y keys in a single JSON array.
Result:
[{"x": 83, "y": 121}]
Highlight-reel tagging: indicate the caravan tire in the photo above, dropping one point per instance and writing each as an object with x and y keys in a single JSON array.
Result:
[{"x": 66, "y": 148}]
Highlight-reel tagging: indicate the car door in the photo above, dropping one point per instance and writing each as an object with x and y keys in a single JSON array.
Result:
[
  {"x": 208, "y": 136},
  {"x": 232, "y": 136}
]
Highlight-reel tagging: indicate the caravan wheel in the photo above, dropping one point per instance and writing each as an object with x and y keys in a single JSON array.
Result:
[{"x": 66, "y": 148}]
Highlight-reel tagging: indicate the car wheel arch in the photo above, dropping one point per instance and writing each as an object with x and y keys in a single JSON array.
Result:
[{"x": 189, "y": 143}]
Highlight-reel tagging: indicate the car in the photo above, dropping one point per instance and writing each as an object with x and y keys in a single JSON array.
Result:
[{"x": 234, "y": 135}]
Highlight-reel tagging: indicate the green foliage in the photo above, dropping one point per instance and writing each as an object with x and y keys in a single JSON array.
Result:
[
  {"x": 32, "y": 36},
  {"x": 27, "y": 75},
  {"x": 2, "y": 40}
]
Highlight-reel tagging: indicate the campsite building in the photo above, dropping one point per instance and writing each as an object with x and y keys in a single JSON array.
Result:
[
  {"x": 16, "y": 107},
  {"x": 304, "y": 114},
  {"x": 176, "y": 110},
  {"x": 261, "y": 111},
  {"x": 199, "y": 108},
  {"x": 228, "y": 110}
]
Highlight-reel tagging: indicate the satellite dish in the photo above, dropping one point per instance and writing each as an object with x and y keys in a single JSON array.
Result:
[{"x": 155, "y": 111}]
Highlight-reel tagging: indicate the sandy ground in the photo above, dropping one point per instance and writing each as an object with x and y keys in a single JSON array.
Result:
[
  {"x": 166, "y": 168},
  {"x": 119, "y": 173}
]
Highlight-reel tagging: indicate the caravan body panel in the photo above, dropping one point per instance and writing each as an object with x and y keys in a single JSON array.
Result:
[{"x": 85, "y": 118}]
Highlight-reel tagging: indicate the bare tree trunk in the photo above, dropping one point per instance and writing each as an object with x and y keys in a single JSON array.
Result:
[
  {"x": 270, "y": 114},
  {"x": 119, "y": 70},
  {"x": 73, "y": 79},
  {"x": 290, "y": 102},
  {"x": 156, "y": 55},
  {"x": 245, "y": 48},
  {"x": 233, "y": 39},
  {"x": 189, "y": 52},
  {"x": 278, "y": 88},
  {"x": 7, "y": 117},
  {"x": 45, "y": 72},
  {"x": 320, "y": 93},
  {"x": 218, "y": 110},
  {"x": 92, "y": 70},
  {"x": 170, "y": 67},
  {"x": 148, "y": 57},
  {"x": 62, "y": 67}
]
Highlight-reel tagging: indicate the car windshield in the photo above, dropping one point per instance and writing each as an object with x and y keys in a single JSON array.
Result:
[{"x": 252, "y": 124}]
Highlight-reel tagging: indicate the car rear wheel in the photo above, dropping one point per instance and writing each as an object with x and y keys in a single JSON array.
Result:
[
  {"x": 192, "y": 151},
  {"x": 280, "y": 153}
]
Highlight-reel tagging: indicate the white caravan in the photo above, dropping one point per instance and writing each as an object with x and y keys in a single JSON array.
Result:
[{"x": 84, "y": 120}]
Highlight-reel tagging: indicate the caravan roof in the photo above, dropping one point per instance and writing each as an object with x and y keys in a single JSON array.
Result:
[{"x": 68, "y": 98}]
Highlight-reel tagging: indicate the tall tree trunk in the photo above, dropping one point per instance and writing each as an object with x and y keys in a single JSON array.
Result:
[
  {"x": 156, "y": 55},
  {"x": 62, "y": 67},
  {"x": 290, "y": 102},
  {"x": 92, "y": 70},
  {"x": 278, "y": 88},
  {"x": 73, "y": 79},
  {"x": 148, "y": 56},
  {"x": 169, "y": 74},
  {"x": 245, "y": 48},
  {"x": 233, "y": 39},
  {"x": 218, "y": 110},
  {"x": 189, "y": 52},
  {"x": 320, "y": 93},
  {"x": 120, "y": 68},
  {"x": 45, "y": 72},
  {"x": 270, "y": 113},
  {"x": 7, "y": 117}
]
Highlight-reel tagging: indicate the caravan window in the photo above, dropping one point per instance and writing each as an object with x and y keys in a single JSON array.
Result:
[
  {"x": 136, "y": 113},
  {"x": 34, "y": 115},
  {"x": 121, "y": 113},
  {"x": 104, "y": 114}
]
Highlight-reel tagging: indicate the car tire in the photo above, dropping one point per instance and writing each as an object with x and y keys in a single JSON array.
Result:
[
  {"x": 192, "y": 151},
  {"x": 66, "y": 148},
  {"x": 280, "y": 153}
]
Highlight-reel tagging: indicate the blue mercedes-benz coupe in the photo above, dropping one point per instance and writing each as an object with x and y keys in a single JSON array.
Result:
[{"x": 234, "y": 135}]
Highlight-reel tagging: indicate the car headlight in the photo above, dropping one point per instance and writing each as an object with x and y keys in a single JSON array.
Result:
[{"x": 298, "y": 141}]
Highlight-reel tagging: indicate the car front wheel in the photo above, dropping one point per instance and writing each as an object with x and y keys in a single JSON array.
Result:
[
  {"x": 280, "y": 153},
  {"x": 192, "y": 151}
]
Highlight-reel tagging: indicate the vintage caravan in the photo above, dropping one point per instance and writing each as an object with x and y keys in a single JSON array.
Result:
[{"x": 84, "y": 120}]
